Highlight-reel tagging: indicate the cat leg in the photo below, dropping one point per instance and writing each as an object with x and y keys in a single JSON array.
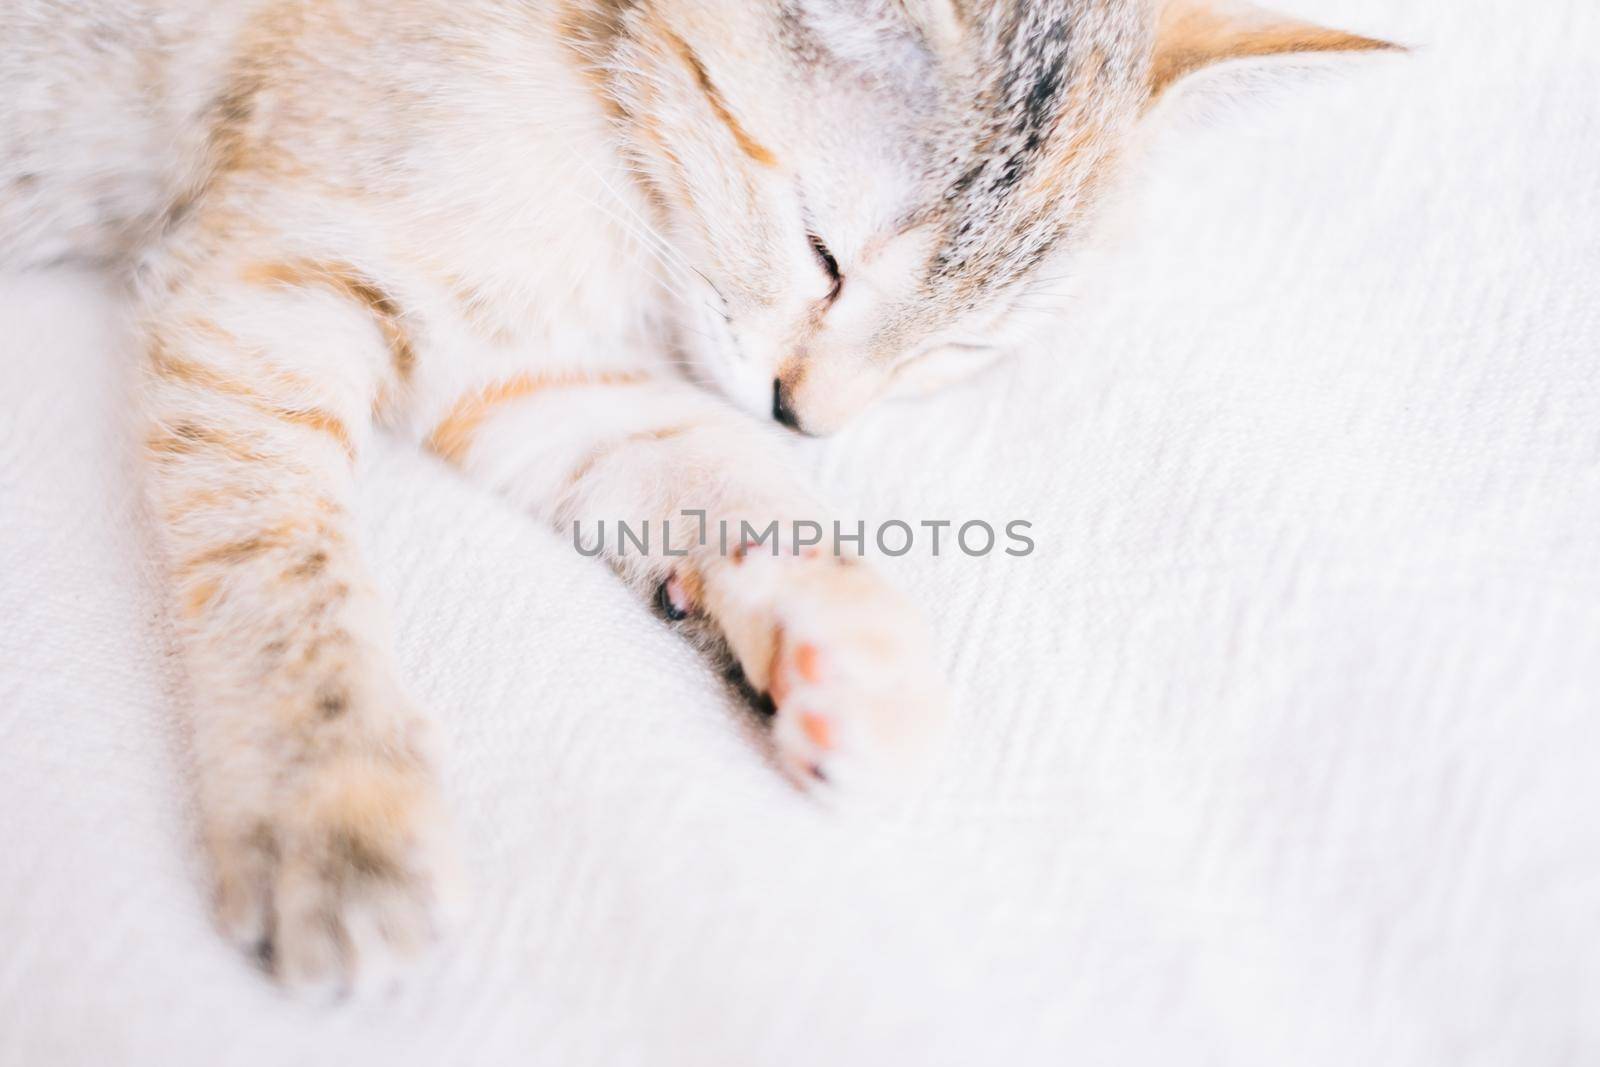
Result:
[
  {"x": 316, "y": 783},
  {"x": 845, "y": 660}
]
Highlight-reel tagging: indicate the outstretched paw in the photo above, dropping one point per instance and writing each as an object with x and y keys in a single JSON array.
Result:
[
  {"x": 859, "y": 706},
  {"x": 340, "y": 889}
]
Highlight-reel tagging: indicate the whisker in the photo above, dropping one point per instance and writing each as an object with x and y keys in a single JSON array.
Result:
[{"x": 644, "y": 224}]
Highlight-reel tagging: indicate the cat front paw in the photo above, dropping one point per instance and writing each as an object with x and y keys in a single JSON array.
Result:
[
  {"x": 859, "y": 706},
  {"x": 343, "y": 885}
]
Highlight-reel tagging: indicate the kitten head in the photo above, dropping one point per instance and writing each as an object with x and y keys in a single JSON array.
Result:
[{"x": 857, "y": 196}]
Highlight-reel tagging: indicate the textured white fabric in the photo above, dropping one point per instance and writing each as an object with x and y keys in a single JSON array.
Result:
[{"x": 1281, "y": 750}]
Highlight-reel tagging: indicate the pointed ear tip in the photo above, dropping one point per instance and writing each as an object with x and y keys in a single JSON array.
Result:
[
  {"x": 1330, "y": 45},
  {"x": 1339, "y": 42},
  {"x": 1377, "y": 44}
]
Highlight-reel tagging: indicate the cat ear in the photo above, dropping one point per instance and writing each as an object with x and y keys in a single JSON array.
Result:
[{"x": 1198, "y": 35}]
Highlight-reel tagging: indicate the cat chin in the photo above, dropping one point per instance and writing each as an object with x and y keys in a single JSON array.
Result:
[{"x": 943, "y": 368}]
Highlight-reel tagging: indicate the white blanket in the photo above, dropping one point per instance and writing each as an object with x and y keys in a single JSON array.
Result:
[{"x": 1282, "y": 749}]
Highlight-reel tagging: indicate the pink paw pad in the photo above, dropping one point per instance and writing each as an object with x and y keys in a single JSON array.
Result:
[
  {"x": 804, "y": 663},
  {"x": 819, "y": 728}
]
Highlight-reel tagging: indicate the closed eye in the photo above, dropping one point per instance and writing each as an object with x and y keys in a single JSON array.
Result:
[{"x": 829, "y": 265}]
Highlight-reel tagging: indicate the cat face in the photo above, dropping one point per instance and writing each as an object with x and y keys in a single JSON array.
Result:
[{"x": 857, "y": 197}]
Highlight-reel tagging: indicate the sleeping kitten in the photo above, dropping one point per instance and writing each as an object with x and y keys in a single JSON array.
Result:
[{"x": 496, "y": 227}]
